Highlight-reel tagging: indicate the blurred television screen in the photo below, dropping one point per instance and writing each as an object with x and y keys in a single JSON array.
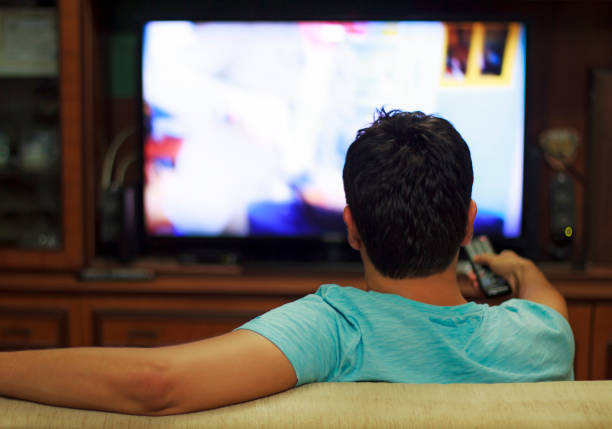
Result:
[{"x": 247, "y": 123}]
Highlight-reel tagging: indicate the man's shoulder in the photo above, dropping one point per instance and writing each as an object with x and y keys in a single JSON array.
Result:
[
  {"x": 531, "y": 320},
  {"x": 523, "y": 307},
  {"x": 537, "y": 333},
  {"x": 333, "y": 294}
]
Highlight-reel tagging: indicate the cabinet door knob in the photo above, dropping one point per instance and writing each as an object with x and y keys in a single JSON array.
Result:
[
  {"x": 142, "y": 333},
  {"x": 16, "y": 331}
]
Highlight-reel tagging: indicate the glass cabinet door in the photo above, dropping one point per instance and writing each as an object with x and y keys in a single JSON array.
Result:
[{"x": 39, "y": 139}]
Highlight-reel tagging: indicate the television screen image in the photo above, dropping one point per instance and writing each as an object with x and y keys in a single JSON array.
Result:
[{"x": 247, "y": 123}]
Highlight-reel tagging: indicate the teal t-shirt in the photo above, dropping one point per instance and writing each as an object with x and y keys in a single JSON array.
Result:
[{"x": 347, "y": 334}]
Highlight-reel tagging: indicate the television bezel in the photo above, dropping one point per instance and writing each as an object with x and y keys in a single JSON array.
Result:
[{"x": 328, "y": 249}]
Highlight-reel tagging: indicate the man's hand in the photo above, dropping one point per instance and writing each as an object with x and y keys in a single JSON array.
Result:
[
  {"x": 506, "y": 264},
  {"x": 526, "y": 280}
]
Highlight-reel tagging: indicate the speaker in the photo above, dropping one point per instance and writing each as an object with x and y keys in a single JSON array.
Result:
[
  {"x": 129, "y": 242},
  {"x": 120, "y": 223},
  {"x": 562, "y": 218},
  {"x": 110, "y": 218}
]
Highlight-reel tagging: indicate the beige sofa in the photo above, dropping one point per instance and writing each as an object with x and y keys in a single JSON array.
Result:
[{"x": 579, "y": 404}]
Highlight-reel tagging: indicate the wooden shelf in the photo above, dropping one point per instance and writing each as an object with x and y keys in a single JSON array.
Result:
[{"x": 585, "y": 285}]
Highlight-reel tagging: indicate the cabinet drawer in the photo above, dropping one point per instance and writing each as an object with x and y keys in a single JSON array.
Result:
[
  {"x": 24, "y": 328},
  {"x": 162, "y": 327}
]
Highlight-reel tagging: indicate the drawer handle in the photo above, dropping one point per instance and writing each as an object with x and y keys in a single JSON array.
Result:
[
  {"x": 17, "y": 332},
  {"x": 140, "y": 333}
]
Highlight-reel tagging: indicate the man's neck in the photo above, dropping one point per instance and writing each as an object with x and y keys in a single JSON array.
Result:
[{"x": 438, "y": 289}]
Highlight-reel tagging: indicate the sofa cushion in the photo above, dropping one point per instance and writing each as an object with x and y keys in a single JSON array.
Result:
[{"x": 356, "y": 405}]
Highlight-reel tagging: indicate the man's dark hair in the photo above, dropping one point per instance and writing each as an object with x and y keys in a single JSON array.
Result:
[{"x": 408, "y": 183}]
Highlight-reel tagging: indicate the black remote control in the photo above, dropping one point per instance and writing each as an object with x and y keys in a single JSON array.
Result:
[{"x": 490, "y": 283}]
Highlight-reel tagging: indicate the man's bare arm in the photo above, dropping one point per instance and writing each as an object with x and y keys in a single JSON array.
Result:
[
  {"x": 231, "y": 368},
  {"x": 527, "y": 280}
]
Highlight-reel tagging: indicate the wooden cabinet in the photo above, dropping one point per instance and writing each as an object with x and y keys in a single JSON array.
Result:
[
  {"x": 58, "y": 244},
  {"x": 39, "y": 321},
  {"x": 55, "y": 310},
  {"x": 56, "y": 319},
  {"x": 149, "y": 321},
  {"x": 602, "y": 342},
  {"x": 146, "y": 328},
  {"x": 580, "y": 318},
  {"x": 33, "y": 328}
]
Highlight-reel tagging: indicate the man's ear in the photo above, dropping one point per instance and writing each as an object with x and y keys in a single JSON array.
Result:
[
  {"x": 469, "y": 228},
  {"x": 354, "y": 238}
]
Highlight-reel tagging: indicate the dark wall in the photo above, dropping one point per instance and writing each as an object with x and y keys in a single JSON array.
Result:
[{"x": 566, "y": 41}]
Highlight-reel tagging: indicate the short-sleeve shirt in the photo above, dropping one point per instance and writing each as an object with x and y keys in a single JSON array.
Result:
[{"x": 347, "y": 334}]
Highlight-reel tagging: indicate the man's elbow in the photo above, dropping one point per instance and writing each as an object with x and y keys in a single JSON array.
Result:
[{"x": 148, "y": 388}]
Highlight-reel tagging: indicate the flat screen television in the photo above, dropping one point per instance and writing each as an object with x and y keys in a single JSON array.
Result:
[{"x": 246, "y": 124}]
